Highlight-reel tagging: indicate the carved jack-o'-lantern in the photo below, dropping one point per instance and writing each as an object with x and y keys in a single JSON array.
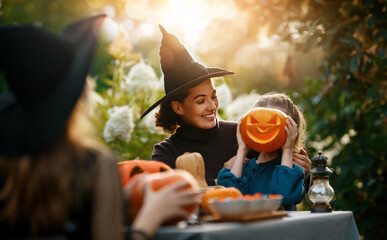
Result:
[
  {"x": 263, "y": 129},
  {"x": 131, "y": 168}
]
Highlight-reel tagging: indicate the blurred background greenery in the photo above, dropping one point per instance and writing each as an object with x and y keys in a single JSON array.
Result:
[{"x": 329, "y": 56}]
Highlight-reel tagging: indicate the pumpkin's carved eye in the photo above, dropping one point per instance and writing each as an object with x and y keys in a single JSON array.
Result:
[
  {"x": 136, "y": 170},
  {"x": 252, "y": 120},
  {"x": 163, "y": 169},
  {"x": 273, "y": 120}
]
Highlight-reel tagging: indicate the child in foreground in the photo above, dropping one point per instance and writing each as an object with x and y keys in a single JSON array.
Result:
[{"x": 271, "y": 172}]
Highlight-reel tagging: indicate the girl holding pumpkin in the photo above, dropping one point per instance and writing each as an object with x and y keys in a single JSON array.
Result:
[
  {"x": 188, "y": 112},
  {"x": 271, "y": 172}
]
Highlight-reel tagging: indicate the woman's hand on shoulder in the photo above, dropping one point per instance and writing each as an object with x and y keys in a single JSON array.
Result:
[{"x": 301, "y": 159}]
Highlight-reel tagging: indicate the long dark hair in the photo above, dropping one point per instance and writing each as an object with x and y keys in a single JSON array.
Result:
[{"x": 35, "y": 188}]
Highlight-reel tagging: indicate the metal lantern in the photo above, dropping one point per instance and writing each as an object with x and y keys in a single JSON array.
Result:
[{"x": 321, "y": 193}]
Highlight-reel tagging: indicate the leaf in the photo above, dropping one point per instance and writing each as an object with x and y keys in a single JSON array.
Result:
[
  {"x": 381, "y": 34},
  {"x": 353, "y": 66},
  {"x": 372, "y": 21},
  {"x": 381, "y": 52},
  {"x": 372, "y": 93},
  {"x": 345, "y": 40}
]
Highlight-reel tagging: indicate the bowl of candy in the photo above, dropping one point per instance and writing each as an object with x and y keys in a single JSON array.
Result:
[
  {"x": 260, "y": 203},
  {"x": 229, "y": 207},
  {"x": 247, "y": 205}
]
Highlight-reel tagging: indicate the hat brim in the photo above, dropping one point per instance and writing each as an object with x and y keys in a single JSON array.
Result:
[
  {"x": 29, "y": 129},
  {"x": 212, "y": 72}
]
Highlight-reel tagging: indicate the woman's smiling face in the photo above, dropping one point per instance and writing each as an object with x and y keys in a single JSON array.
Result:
[{"x": 199, "y": 108}]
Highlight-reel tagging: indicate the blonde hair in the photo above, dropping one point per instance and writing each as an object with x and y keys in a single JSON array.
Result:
[
  {"x": 283, "y": 101},
  {"x": 37, "y": 188}
]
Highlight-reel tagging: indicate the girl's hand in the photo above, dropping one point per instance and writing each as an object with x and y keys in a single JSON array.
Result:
[
  {"x": 241, "y": 144},
  {"x": 292, "y": 132}
]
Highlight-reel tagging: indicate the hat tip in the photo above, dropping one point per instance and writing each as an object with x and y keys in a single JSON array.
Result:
[{"x": 162, "y": 29}]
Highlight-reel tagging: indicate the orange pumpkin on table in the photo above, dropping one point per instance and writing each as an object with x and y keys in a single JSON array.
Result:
[
  {"x": 158, "y": 181},
  {"x": 219, "y": 192},
  {"x": 131, "y": 168},
  {"x": 263, "y": 129}
]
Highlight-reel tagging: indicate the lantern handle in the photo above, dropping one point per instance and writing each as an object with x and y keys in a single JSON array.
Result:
[
  {"x": 334, "y": 187},
  {"x": 307, "y": 200}
]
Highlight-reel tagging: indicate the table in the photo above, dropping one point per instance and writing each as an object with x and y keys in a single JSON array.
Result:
[{"x": 297, "y": 225}]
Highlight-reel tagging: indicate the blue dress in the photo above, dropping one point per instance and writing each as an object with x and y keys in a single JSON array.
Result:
[{"x": 268, "y": 177}]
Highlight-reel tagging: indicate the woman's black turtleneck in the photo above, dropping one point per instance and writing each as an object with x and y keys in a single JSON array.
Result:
[{"x": 216, "y": 145}]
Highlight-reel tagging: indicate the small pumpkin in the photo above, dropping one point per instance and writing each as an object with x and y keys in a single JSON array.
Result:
[
  {"x": 263, "y": 129},
  {"x": 219, "y": 192},
  {"x": 158, "y": 181},
  {"x": 131, "y": 168},
  {"x": 194, "y": 164}
]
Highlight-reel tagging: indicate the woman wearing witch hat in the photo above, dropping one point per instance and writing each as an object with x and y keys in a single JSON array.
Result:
[{"x": 188, "y": 112}]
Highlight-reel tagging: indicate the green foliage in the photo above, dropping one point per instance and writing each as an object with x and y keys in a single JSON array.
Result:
[{"x": 347, "y": 108}]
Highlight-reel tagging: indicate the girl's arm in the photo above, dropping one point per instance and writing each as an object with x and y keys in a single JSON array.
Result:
[
  {"x": 287, "y": 148},
  {"x": 236, "y": 168}
]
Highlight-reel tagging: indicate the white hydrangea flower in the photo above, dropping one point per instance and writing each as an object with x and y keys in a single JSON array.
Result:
[
  {"x": 120, "y": 124},
  {"x": 149, "y": 122},
  {"x": 241, "y": 105},
  {"x": 142, "y": 77},
  {"x": 224, "y": 95}
]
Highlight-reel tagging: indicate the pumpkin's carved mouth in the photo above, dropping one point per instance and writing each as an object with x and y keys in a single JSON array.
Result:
[{"x": 262, "y": 137}]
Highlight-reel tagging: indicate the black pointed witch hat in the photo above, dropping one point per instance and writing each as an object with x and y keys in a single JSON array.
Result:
[
  {"x": 180, "y": 70},
  {"x": 46, "y": 75}
]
